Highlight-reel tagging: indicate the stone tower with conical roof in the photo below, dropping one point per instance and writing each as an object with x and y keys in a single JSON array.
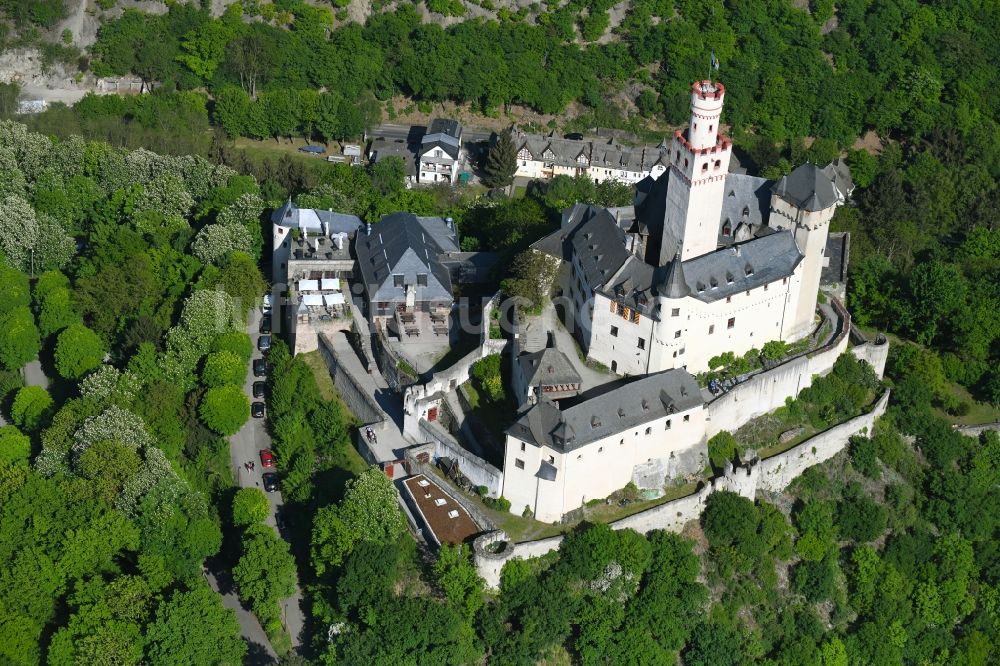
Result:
[
  {"x": 804, "y": 202},
  {"x": 671, "y": 289}
]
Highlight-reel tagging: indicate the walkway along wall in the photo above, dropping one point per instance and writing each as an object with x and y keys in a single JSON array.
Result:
[
  {"x": 767, "y": 390},
  {"x": 492, "y": 550},
  {"x": 355, "y": 397}
]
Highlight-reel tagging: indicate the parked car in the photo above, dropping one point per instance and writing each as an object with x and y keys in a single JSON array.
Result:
[
  {"x": 575, "y": 136},
  {"x": 266, "y": 458},
  {"x": 270, "y": 482},
  {"x": 259, "y": 367},
  {"x": 315, "y": 150},
  {"x": 259, "y": 388},
  {"x": 265, "y": 324},
  {"x": 257, "y": 410},
  {"x": 264, "y": 343},
  {"x": 266, "y": 307}
]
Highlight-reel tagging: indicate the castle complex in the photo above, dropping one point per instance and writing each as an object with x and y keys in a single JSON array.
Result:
[{"x": 706, "y": 262}]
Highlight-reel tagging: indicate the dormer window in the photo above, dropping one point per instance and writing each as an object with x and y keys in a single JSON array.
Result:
[
  {"x": 746, "y": 211},
  {"x": 729, "y": 277},
  {"x": 595, "y": 422},
  {"x": 749, "y": 270},
  {"x": 621, "y": 413},
  {"x": 727, "y": 229},
  {"x": 714, "y": 283},
  {"x": 645, "y": 405}
]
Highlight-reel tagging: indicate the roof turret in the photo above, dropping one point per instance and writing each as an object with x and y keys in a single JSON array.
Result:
[{"x": 674, "y": 285}]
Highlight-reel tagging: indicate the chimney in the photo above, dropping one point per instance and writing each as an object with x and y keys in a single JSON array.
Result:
[
  {"x": 316, "y": 244},
  {"x": 339, "y": 240},
  {"x": 368, "y": 229},
  {"x": 326, "y": 228},
  {"x": 449, "y": 222},
  {"x": 305, "y": 233}
]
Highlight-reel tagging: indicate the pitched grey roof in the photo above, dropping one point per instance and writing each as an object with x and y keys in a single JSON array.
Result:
[
  {"x": 313, "y": 220},
  {"x": 747, "y": 202},
  {"x": 840, "y": 174},
  {"x": 743, "y": 266},
  {"x": 548, "y": 366},
  {"x": 445, "y": 134},
  {"x": 808, "y": 188},
  {"x": 407, "y": 245},
  {"x": 629, "y": 406}
]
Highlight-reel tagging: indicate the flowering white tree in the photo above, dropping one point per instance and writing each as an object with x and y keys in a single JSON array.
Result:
[
  {"x": 167, "y": 194},
  {"x": 206, "y": 313},
  {"x": 109, "y": 384},
  {"x": 245, "y": 210},
  {"x": 114, "y": 423},
  {"x": 54, "y": 246},
  {"x": 18, "y": 230},
  {"x": 215, "y": 241}
]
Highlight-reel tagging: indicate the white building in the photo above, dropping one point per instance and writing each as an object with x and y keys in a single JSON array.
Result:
[
  {"x": 545, "y": 157},
  {"x": 707, "y": 262},
  {"x": 644, "y": 432},
  {"x": 440, "y": 152}
]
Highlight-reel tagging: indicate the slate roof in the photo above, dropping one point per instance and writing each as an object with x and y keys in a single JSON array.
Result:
[
  {"x": 445, "y": 134},
  {"x": 583, "y": 154},
  {"x": 624, "y": 408},
  {"x": 407, "y": 245},
  {"x": 837, "y": 248},
  {"x": 747, "y": 201},
  {"x": 290, "y": 215},
  {"x": 547, "y": 367},
  {"x": 743, "y": 266},
  {"x": 840, "y": 174},
  {"x": 384, "y": 148},
  {"x": 808, "y": 188}
]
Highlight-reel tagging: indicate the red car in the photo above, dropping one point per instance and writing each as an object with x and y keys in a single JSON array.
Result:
[{"x": 266, "y": 458}]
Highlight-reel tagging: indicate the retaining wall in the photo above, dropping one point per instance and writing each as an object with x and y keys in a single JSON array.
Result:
[
  {"x": 354, "y": 396},
  {"x": 772, "y": 474},
  {"x": 767, "y": 390},
  {"x": 479, "y": 472}
]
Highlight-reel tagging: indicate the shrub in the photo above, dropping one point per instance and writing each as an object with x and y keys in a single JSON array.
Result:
[
  {"x": 816, "y": 580},
  {"x": 721, "y": 448},
  {"x": 864, "y": 456},
  {"x": 486, "y": 372},
  {"x": 498, "y": 503}
]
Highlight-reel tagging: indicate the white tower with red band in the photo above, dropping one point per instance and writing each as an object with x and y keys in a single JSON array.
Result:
[{"x": 699, "y": 162}]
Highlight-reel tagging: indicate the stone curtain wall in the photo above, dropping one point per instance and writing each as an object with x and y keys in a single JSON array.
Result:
[
  {"x": 479, "y": 472},
  {"x": 357, "y": 400},
  {"x": 772, "y": 474},
  {"x": 777, "y": 472},
  {"x": 767, "y": 390}
]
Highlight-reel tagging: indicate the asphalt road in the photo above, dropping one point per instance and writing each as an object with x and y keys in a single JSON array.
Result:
[
  {"x": 412, "y": 134},
  {"x": 244, "y": 447},
  {"x": 260, "y": 650}
]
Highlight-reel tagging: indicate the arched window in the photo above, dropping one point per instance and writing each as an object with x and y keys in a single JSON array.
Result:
[
  {"x": 709, "y": 128},
  {"x": 718, "y": 164},
  {"x": 696, "y": 125},
  {"x": 678, "y": 158},
  {"x": 685, "y": 162},
  {"x": 727, "y": 229},
  {"x": 746, "y": 211},
  {"x": 704, "y": 167}
]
